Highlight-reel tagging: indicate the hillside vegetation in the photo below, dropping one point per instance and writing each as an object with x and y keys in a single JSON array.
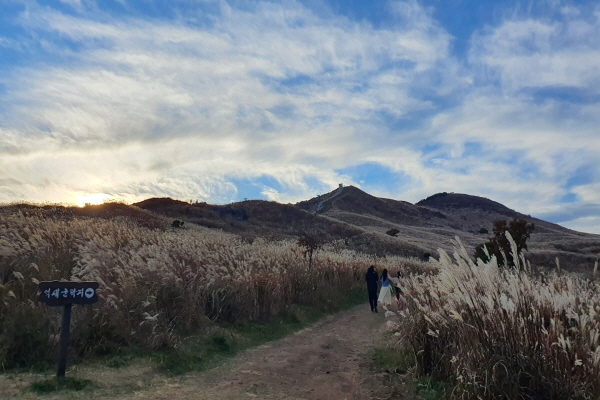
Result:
[
  {"x": 157, "y": 284},
  {"x": 497, "y": 333},
  {"x": 361, "y": 221},
  {"x": 528, "y": 332}
]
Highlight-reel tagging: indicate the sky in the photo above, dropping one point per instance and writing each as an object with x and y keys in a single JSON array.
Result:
[{"x": 221, "y": 101}]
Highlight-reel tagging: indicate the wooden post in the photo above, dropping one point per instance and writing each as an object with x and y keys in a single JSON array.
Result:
[
  {"x": 66, "y": 294},
  {"x": 64, "y": 341}
]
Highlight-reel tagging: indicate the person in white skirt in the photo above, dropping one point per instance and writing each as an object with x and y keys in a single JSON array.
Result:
[{"x": 385, "y": 294}]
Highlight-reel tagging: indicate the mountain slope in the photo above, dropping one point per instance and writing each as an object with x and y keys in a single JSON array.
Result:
[
  {"x": 361, "y": 221},
  {"x": 433, "y": 223},
  {"x": 353, "y": 201}
]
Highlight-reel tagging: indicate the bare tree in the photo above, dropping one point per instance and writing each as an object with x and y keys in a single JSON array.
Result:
[{"x": 310, "y": 244}]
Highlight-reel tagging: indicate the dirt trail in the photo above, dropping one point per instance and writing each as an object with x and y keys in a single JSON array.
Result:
[{"x": 329, "y": 360}]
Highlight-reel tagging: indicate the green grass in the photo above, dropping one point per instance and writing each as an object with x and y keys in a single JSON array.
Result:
[
  {"x": 41, "y": 366},
  {"x": 389, "y": 357},
  {"x": 178, "y": 362},
  {"x": 55, "y": 385},
  {"x": 119, "y": 360},
  {"x": 393, "y": 359},
  {"x": 431, "y": 389}
]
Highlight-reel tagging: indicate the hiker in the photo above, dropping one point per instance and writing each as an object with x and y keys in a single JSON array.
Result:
[
  {"x": 385, "y": 294},
  {"x": 399, "y": 299},
  {"x": 371, "y": 277}
]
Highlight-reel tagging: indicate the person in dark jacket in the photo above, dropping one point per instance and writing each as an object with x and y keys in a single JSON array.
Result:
[{"x": 372, "y": 278}]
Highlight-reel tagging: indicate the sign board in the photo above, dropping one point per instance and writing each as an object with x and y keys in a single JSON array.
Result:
[
  {"x": 66, "y": 294},
  {"x": 57, "y": 293}
]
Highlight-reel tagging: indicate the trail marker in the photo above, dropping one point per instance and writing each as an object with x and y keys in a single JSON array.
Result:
[{"x": 66, "y": 294}]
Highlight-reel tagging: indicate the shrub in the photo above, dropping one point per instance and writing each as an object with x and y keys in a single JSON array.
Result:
[
  {"x": 310, "y": 244},
  {"x": 26, "y": 336},
  {"x": 500, "y": 246}
]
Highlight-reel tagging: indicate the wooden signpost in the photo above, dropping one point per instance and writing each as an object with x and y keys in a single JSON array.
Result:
[{"x": 66, "y": 294}]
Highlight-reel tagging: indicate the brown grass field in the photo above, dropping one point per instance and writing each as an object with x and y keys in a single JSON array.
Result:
[{"x": 174, "y": 297}]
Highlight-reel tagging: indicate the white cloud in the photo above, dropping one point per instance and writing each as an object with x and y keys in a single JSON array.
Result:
[
  {"x": 211, "y": 102},
  {"x": 589, "y": 193},
  {"x": 587, "y": 224},
  {"x": 530, "y": 144},
  {"x": 134, "y": 108},
  {"x": 537, "y": 53}
]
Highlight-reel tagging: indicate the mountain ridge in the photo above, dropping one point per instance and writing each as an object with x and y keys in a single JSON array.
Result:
[
  {"x": 361, "y": 221},
  {"x": 355, "y": 220}
]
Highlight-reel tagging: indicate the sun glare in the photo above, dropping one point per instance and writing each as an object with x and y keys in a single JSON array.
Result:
[{"x": 92, "y": 198}]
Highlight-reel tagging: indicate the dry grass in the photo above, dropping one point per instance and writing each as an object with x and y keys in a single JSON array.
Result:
[
  {"x": 156, "y": 285},
  {"x": 496, "y": 333}
]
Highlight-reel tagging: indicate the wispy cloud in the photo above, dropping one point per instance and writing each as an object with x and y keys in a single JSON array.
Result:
[
  {"x": 187, "y": 102},
  {"x": 225, "y": 96}
]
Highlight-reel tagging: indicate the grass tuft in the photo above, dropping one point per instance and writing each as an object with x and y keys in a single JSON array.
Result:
[
  {"x": 392, "y": 358},
  {"x": 55, "y": 385},
  {"x": 176, "y": 363},
  {"x": 222, "y": 345},
  {"x": 431, "y": 389},
  {"x": 118, "y": 361}
]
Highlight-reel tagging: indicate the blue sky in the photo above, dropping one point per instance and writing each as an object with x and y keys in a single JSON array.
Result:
[{"x": 219, "y": 101}]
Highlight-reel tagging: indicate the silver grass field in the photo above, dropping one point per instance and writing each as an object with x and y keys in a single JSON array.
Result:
[
  {"x": 490, "y": 332},
  {"x": 156, "y": 285},
  {"x": 499, "y": 333}
]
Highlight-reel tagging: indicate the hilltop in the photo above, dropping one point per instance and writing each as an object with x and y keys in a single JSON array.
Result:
[{"x": 361, "y": 221}]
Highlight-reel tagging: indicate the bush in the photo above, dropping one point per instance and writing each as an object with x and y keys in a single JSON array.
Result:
[
  {"x": 393, "y": 232},
  {"x": 500, "y": 246},
  {"x": 25, "y": 336},
  {"x": 310, "y": 243}
]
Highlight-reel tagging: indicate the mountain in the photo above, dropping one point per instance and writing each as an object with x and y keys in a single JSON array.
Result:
[
  {"x": 348, "y": 217},
  {"x": 361, "y": 221}
]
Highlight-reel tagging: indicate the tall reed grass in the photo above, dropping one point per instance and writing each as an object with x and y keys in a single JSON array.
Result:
[
  {"x": 497, "y": 333},
  {"x": 156, "y": 285}
]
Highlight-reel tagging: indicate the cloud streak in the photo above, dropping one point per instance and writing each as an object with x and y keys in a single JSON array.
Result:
[{"x": 133, "y": 106}]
